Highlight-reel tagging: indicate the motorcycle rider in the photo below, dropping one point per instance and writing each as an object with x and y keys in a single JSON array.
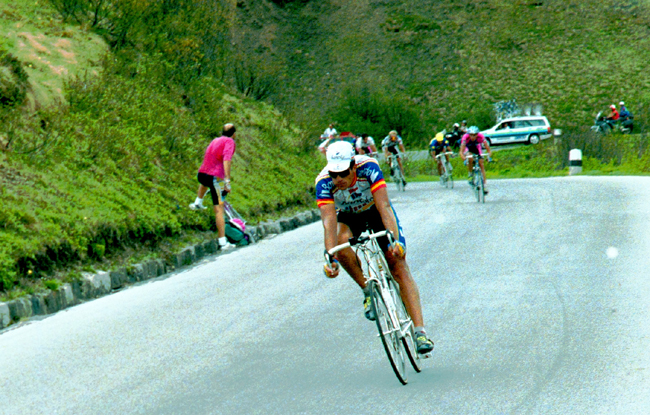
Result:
[
  {"x": 454, "y": 136},
  {"x": 627, "y": 125},
  {"x": 623, "y": 113},
  {"x": 614, "y": 115}
]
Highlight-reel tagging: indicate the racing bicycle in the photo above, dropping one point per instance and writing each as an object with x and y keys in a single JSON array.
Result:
[
  {"x": 394, "y": 324},
  {"x": 476, "y": 180},
  {"x": 395, "y": 172},
  {"x": 447, "y": 177}
]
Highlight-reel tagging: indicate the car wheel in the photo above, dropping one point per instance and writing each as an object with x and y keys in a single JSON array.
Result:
[{"x": 533, "y": 139}]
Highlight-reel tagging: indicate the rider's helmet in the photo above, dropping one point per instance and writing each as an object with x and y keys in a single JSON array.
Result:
[
  {"x": 613, "y": 106},
  {"x": 456, "y": 125},
  {"x": 339, "y": 156},
  {"x": 622, "y": 104},
  {"x": 364, "y": 135},
  {"x": 473, "y": 129},
  {"x": 439, "y": 137},
  {"x": 393, "y": 135}
]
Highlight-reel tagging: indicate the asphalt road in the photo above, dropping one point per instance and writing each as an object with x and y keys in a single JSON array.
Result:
[{"x": 538, "y": 302}]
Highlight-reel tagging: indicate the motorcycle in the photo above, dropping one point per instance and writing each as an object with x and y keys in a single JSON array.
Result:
[
  {"x": 603, "y": 125},
  {"x": 453, "y": 137}
]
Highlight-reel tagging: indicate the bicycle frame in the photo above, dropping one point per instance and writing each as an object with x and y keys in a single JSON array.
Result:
[{"x": 367, "y": 248}]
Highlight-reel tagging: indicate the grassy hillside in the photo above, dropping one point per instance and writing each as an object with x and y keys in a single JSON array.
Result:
[
  {"x": 109, "y": 162},
  {"x": 106, "y": 107},
  {"x": 445, "y": 61}
]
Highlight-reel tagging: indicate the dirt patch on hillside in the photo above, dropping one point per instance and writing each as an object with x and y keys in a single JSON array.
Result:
[{"x": 49, "y": 60}]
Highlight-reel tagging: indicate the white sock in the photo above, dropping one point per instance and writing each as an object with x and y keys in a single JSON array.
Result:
[
  {"x": 198, "y": 201},
  {"x": 223, "y": 241}
]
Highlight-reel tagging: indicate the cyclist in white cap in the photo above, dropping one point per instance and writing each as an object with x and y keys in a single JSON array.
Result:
[{"x": 352, "y": 197}]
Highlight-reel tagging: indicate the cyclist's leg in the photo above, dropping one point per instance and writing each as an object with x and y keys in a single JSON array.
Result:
[
  {"x": 470, "y": 166},
  {"x": 439, "y": 165},
  {"x": 408, "y": 288},
  {"x": 399, "y": 161},
  {"x": 347, "y": 258},
  {"x": 399, "y": 269}
]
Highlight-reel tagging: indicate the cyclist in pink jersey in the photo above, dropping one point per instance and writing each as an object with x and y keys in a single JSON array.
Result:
[
  {"x": 215, "y": 173},
  {"x": 472, "y": 142}
]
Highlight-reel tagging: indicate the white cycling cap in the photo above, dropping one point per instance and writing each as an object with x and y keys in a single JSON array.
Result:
[
  {"x": 621, "y": 103},
  {"x": 339, "y": 155}
]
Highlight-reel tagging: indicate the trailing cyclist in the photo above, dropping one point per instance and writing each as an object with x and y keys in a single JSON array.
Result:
[
  {"x": 352, "y": 197},
  {"x": 366, "y": 145},
  {"x": 390, "y": 145},
  {"x": 439, "y": 144},
  {"x": 472, "y": 142}
]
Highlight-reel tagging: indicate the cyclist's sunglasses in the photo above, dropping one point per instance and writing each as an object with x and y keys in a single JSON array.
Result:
[{"x": 342, "y": 174}]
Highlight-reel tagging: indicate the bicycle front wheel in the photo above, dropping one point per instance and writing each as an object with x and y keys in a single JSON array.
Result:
[
  {"x": 480, "y": 188},
  {"x": 390, "y": 335},
  {"x": 406, "y": 325},
  {"x": 450, "y": 176},
  {"x": 477, "y": 184}
]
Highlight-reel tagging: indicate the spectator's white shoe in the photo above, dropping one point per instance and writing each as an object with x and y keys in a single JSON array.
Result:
[
  {"x": 227, "y": 246},
  {"x": 195, "y": 206}
]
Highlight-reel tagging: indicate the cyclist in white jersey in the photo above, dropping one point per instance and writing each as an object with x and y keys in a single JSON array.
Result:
[
  {"x": 352, "y": 197},
  {"x": 390, "y": 144}
]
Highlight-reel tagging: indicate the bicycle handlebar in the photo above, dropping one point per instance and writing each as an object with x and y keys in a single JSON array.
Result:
[
  {"x": 356, "y": 241},
  {"x": 446, "y": 153}
]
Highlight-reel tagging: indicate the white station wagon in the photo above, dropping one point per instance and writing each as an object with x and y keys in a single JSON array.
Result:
[{"x": 527, "y": 129}]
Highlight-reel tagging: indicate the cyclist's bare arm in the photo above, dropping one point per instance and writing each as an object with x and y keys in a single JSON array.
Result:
[
  {"x": 330, "y": 226},
  {"x": 462, "y": 150},
  {"x": 401, "y": 147},
  {"x": 487, "y": 147},
  {"x": 382, "y": 202}
]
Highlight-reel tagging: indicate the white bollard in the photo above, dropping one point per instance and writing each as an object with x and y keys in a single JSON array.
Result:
[{"x": 575, "y": 161}]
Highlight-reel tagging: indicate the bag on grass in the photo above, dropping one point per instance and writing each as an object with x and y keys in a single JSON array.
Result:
[{"x": 235, "y": 232}]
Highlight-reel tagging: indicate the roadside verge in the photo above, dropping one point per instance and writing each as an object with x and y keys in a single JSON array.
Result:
[{"x": 101, "y": 283}]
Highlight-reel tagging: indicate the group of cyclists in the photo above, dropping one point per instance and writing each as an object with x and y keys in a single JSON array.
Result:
[
  {"x": 352, "y": 198},
  {"x": 472, "y": 142}
]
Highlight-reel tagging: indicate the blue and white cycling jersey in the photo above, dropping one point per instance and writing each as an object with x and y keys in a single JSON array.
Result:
[{"x": 358, "y": 197}]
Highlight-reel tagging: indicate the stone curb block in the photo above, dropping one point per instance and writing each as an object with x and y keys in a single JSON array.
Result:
[
  {"x": 103, "y": 282},
  {"x": 5, "y": 315}
]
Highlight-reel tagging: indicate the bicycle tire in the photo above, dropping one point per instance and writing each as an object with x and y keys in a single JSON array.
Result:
[
  {"x": 388, "y": 333},
  {"x": 450, "y": 178},
  {"x": 481, "y": 193},
  {"x": 405, "y": 319},
  {"x": 476, "y": 185}
]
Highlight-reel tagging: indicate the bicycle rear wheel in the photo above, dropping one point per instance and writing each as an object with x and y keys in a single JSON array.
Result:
[
  {"x": 388, "y": 332},
  {"x": 407, "y": 326}
]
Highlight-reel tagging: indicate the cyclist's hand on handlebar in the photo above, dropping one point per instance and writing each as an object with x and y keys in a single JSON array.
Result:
[
  {"x": 331, "y": 270},
  {"x": 397, "y": 249}
]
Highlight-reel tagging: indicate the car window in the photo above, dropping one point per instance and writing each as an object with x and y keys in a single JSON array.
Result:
[
  {"x": 537, "y": 123},
  {"x": 503, "y": 125},
  {"x": 523, "y": 124}
]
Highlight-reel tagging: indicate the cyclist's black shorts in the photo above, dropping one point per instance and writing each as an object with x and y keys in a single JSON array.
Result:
[
  {"x": 211, "y": 182},
  {"x": 370, "y": 220},
  {"x": 438, "y": 150},
  {"x": 393, "y": 149}
]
